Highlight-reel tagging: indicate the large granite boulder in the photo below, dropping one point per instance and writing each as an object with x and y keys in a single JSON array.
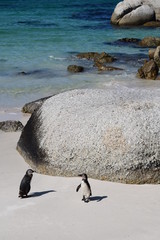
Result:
[
  {"x": 137, "y": 12},
  {"x": 111, "y": 134}
]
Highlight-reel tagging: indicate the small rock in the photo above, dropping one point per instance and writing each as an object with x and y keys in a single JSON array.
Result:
[
  {"x": 150, "y": 42},
  {"x": 32, "y": 106},
  {"x": 75, "y": 68},
  {"x": 152, "y": 24},
  {"x": 11, "y": 126}
]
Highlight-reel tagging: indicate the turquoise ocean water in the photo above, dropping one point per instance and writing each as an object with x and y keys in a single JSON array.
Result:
[{"x": 42, "y": 37}]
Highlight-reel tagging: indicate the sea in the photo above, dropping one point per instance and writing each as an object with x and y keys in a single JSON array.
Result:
[{"x": 39, "y": 39}]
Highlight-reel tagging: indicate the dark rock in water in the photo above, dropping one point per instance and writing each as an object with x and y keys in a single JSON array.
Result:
[
  {"x": 88, "y": 55},
  {"x": 22, "y": 73},
  {"x": 97, "y": 57},
  {"x": 37, "y": 23},
  {"x": 150, "y": 42},
  {"x": 11, "y": 126},
  {"x": 129, "y": 40},
  {"x": 32, "y": 106},
  {"x": 110, "y": 134},
  {"x": 38, "y": 73},
  {"x": 102, "y": 67},
  {"x": 152, "y": 24},
  {"x": 149, "y": 70},
  {"x": 104, "y": 58},
  {"x": 75, "y": 68}
]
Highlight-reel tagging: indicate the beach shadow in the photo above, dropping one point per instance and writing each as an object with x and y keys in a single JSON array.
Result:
[
  {"x": 39, "y": 194},
  {"x": 98, "y": 198}
]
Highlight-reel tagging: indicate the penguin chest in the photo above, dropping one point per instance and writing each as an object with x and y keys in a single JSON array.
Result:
[{"x": 85, "y": 189}]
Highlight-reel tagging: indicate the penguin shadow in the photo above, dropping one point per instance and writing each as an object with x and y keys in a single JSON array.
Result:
[
  {"x": 39, "y": 194},
  {"x": 98, "y": 198}
]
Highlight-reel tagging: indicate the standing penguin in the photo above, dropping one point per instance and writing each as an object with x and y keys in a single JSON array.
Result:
[
  {"x": 25, "y": 183},
  {"x": 86, "y": 189}
]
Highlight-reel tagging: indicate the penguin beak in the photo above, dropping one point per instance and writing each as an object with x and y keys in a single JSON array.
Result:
[{"x": 79, "y": 175}]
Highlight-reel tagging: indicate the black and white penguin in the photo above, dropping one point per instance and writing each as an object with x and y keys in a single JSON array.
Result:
[
  {"x": 86, "y": 188},
  {"x": 25, "y": 183}
]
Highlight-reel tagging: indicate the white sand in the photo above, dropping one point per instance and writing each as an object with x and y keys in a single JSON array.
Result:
[{"x": 55, "y": 211}]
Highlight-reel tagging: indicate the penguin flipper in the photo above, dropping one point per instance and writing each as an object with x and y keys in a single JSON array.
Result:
[{"x": 77, "y": 189}]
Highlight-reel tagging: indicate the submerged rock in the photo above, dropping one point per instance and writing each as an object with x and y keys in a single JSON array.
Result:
[
  {"x": 110, "y": 134},
  {"x": 129, "y": 40},
  {"x": 11, "y": 126},
  {"x": 102, "y": 67}
]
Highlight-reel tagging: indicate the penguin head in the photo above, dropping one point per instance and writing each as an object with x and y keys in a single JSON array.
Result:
[
  {"x": 29, "y": 172},
  {"x": 84, "y": 176}
]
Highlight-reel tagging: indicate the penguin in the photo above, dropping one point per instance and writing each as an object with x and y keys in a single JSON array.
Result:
[
  {"x": 86, "y": 189},
  {"x": 25, "y": 183}
]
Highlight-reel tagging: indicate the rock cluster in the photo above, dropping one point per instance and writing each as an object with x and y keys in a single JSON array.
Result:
[
  {"x": 150, "y": 69},
  {"x": 110, "y": 134},
  {"x": 100, "y": 60}
]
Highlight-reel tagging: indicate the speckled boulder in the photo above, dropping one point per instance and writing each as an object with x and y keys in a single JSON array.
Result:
[
  {"x": 129, "y": 12},
  {"x": 111, "y": 134}
]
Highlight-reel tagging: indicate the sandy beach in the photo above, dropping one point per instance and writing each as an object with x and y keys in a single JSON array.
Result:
[{"x": 55, "y": 211}]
